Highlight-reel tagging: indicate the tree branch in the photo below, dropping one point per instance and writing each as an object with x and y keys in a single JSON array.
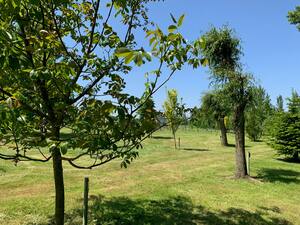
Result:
[
  {"x": 20, "y": 157},
  {"x": 71, "y": 161}
]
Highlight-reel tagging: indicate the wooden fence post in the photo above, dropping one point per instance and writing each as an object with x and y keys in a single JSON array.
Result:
[
  {"x": 249, "y": 156},
  {"x": 85, "y": 201}
]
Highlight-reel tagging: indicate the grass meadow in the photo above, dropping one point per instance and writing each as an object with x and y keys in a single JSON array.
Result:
[{"x": 190, "y": 185}]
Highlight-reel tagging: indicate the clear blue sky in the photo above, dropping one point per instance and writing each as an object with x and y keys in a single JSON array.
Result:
[{"x": 270, "y": 44}]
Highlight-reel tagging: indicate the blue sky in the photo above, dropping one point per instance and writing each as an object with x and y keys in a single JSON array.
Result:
[{"x": 270, "y": 44}]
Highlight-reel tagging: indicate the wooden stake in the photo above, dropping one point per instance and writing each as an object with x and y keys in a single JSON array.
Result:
[{"x": 85, "y": 200}]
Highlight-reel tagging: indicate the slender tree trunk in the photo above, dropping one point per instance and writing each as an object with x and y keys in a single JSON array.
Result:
[
  {"x": 59, "y": 184},
  {"x": 240, "y": 156},
  {"x": 174, "y": 137},
  {"x": 223, "y": 130},
  {"x": 296, "y": 156}
]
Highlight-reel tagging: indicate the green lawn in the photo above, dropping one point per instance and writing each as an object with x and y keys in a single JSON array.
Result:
[{"x": 193, "y": 185}]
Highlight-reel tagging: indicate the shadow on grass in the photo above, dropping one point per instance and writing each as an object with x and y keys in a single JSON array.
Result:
[
  {"x": 195, "y": 149},
  {"x": 161, "y": 137},
  {"x": 290, "y": 160},
  {"x": 279, "y": 175},
  {"x": 178, "y": 210},
  {"x": 230, "y": 145},
  {"x": 233, "y": 146}
]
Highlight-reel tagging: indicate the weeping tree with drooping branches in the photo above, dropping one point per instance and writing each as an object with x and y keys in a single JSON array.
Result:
[
  {"x": 223, "y": 52},
  {"x": 63, "y": 66}
]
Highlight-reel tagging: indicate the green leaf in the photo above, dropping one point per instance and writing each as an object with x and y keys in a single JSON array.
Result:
[
  {"x": 27, "y": 70},
  {"x": 138, "y": 59},
  {"x": 14, "y": 4},
  {"x": 8, "y": 35},
  {"x": 147, "y": 56},
  {"x": 180, "y": 21},
  {"x": 202, "y": 43},
  {"x": 129, "y": 57},
  {"x": 150, "y": 32},
  {"x": 172, "y": 37},
  {"x": 152, "y": 40},
  {"x": 204, "y": 62},
  {"x": 172, "y": 28},
  {"x": 123, "y": 52}
]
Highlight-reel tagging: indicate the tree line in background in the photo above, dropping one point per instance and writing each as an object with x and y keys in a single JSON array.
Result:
[{"x": 263, "y": 121}]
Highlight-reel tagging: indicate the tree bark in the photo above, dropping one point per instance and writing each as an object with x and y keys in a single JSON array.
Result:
[
  {"x": 223, "y": 130},
  {"x": 240, "y": 156},
  {"x": 59, "y": 187},
  {"x": 59, "y": 182}
]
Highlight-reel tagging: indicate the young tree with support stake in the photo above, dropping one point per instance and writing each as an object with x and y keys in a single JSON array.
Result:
[
  {"x": 174, "y": 112},
  {"x": 222, "y": 51},
  {"x": 63, "y": 66}
]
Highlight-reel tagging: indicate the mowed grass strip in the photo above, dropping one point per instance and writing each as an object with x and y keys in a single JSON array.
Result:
[{"x": 190, "y": 185}]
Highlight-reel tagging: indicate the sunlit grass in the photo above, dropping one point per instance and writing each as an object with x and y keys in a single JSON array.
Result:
[{"x": 199, "y": 174}]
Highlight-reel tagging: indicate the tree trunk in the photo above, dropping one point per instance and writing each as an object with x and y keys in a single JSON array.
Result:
[
  {"x": 296, "y": 156},
  {"x": 174, "y": 137},
  {"x": 58, "y": 181},
  {"x": 223, "y": 129},
  {"x": 240, "y": 157},
  {"x": 59, "y": 187}
]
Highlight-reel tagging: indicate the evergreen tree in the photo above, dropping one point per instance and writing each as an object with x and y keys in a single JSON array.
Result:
[
  {"x": 294, "y": 103},
  {"x": 286, "y": 135},
  {"x": 284, "y": 129},
  {"x": 279, "y": 106},
  {"x": 257, "y": 112}
]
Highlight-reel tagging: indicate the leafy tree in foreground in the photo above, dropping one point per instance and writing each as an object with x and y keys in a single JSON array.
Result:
[
  {"x": 62, "y": 65},
  {"x": 223, "y": 52},
  {"x": 258, "y": 110},
  {"x": 174, "y": 112},
  {"x": 216, "y": 104}
]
